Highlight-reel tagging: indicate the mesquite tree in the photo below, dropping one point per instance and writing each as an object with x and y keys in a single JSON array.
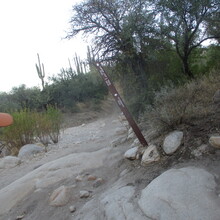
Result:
[
  {"x": 184, "y": 23},
  {"x": 120, "y": 29}
]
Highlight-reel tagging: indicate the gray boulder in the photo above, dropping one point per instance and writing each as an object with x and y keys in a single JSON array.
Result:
[
  {"x": 180, "y": 194},
  {"x": 172, "y": 142},
  {"x": 131, "y": 153},
  {"x": 29, "y": 150}
]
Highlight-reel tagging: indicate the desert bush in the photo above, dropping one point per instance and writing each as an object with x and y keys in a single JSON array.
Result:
[
  {"x": 54, "y": 120},
  {"x": 31, "y": 127},
  {"x": 174, "y": 106}
]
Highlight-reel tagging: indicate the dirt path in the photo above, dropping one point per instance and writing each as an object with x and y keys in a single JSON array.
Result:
[
  {"x": 82, "y": 151},
  {"x": 83, "y": 142}
]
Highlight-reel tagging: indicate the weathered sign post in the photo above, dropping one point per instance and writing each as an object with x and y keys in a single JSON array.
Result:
[{"x": 121, "y": 104}]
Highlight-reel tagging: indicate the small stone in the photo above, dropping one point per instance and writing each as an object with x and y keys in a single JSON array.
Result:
[
  {"x": 79, "y": 178},
  {"x": 150, "y": 155},
  {"x": 91, "y": 178},
  {"x": 19, "y": 217},
  {"x": 215, "y": 141},
  {"x": 172, "y": 142},
  {"x": 131, "y": 153},
  {"x": 98, "y": 182},
  {"x": 72, "y": 208},
  {"x": 84, "y": 194},
  {"x": 59, "y": 197}
]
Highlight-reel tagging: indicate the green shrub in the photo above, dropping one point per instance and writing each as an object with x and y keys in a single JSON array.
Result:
[
  {"x": 180, "y": 105},
  {"x": 53, "y": 117},
  {"x": 31, "y": 127}
]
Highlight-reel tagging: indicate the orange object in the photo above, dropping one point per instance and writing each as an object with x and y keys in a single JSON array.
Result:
[{"x": 5, "y": 119}]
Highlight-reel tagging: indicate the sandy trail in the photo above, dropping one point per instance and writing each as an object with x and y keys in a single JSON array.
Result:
[
  {"x": 86, "y": 147},
  {"x": 85, "y": 138}
]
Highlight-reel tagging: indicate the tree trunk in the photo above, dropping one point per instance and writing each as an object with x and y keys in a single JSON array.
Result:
[{"x": 186, "y": 68}]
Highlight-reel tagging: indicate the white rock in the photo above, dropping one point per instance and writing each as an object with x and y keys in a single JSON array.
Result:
[
  {"x": 215, "y": 141},
  {"x": 186, "y": 193},
  {"x": 59, "y": 197},
  {"x": 172, "y": 142},
  {"x": 9, "y": 162},
  {"x": 84, "y": 194},
  {"x": 29, "y": 150},
  {"x": 79, "y": 178},
  {"x": 72, "y": 208},
  {"x": 98, "y": 182},
  {"x": 150, "y": 155},
  {"x": 131, "y": 153}
]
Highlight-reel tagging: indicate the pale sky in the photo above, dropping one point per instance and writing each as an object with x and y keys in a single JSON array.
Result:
[{"x": 29, "y": 27}]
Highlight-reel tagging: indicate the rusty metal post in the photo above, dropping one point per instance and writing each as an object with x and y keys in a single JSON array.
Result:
[{"x": 121, "y": 104}]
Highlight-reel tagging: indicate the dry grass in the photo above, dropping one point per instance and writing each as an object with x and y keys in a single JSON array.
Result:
[
  {"x": 174, "y": 107},
  {"x": 31, "y": 127}
]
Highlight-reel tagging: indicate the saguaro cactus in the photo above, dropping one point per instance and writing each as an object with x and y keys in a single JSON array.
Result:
[{"x": 40, "y": 71}]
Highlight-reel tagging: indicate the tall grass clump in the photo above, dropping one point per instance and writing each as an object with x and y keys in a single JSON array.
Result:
[
  {"x": 31, "y": 127},
  {"x": 175, "y": 106}
]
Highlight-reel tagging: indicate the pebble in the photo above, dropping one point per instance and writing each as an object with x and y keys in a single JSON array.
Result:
[
  {"x": 84, "y": 194},
  {"x": 98, "y": 182},
  {"x": 91, "y": 178},
  {"x": 72, "y": 208},
  {"x": 79, "y": 178},
  {"x": 19, "y": 217}
]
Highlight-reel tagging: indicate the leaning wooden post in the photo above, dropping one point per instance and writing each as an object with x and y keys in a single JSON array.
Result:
[{"x": 121, "y": 104}]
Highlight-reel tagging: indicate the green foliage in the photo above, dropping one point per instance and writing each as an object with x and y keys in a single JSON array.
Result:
[
  {"x": 174, "y": 106},
  {"x": 67, "y": 92},
  {"x": 20, "y": 97},
  {"x": 184, "y": 24},
  {"x": 151, "y": 43},
  {"x": 31, "y": 127}
]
